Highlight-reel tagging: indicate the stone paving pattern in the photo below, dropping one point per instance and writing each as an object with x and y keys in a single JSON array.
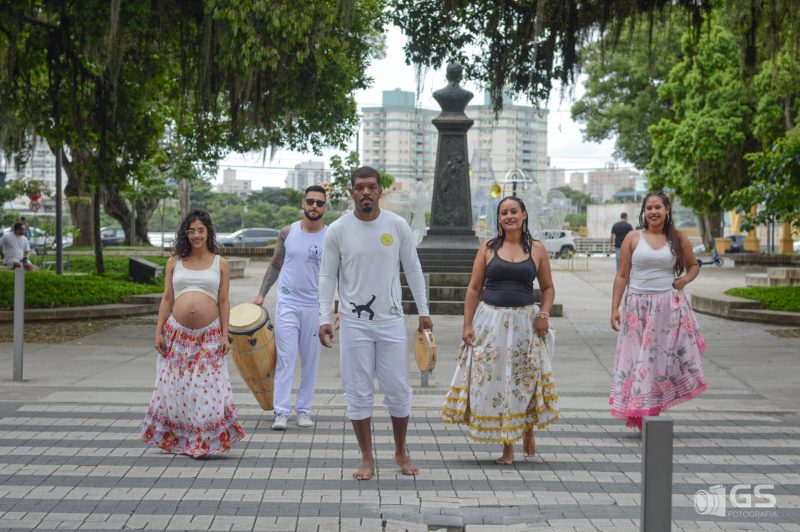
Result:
[{"x": 71, "y": 458}]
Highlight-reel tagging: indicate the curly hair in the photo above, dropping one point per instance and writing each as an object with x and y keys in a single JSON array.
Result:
[
  {"x": 527, "y": 240},
  {"x": 182, "y": 247},
  {"x": 672, "y": 234}
]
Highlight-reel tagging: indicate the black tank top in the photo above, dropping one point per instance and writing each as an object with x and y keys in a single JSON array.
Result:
[{"x": 509, "y": 284}]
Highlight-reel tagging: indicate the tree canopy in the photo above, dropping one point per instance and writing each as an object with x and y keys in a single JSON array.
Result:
[
  {"x": 519, "y": 46},
  {"x": 113, "y": 82}
]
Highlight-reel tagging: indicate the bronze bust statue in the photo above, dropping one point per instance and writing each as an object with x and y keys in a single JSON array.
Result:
[{"x": 453, "y": 98}]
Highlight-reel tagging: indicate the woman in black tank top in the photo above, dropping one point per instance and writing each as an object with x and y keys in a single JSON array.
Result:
[{"x": 503, "y": 386}]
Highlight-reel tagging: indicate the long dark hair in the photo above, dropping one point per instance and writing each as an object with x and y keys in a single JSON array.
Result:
[
  {"x": 182, "y": 248},
  {"x": 527, "y": 240},
  {"x": 672, "y": 234}
]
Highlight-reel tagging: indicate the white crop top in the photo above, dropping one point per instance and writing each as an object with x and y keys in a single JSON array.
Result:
[{"x": 205, "y": 281}]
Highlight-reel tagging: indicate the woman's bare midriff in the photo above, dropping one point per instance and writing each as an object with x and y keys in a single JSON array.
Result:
[{"x": 194, "y": 310}]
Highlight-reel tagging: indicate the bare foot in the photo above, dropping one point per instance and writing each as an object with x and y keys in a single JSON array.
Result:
[
  {"x": 529, "y": 443},
  {"x": 508, "y": 455},
  {"x": 406, "y": 467},
  {"x": 366, "y": 470}
]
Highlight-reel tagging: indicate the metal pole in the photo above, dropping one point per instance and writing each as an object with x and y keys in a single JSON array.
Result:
[
  {"x": 424, "y": 374},
  {"x": 59, "y": 215},
  {"x": 19, "y": 320},
  {"x": 656, "y": 474}
]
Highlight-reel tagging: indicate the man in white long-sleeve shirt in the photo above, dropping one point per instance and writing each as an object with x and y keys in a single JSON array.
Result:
[{"x": 363, "y": 251}]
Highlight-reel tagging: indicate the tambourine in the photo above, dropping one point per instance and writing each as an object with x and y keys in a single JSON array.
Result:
[{"x": 425, "y": 350}]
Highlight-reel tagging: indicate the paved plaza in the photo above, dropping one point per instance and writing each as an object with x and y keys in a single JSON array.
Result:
[{"x": 71, "y": 457}]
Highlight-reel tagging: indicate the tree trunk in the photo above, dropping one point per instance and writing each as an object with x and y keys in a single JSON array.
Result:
[
  {"x": 78, "y": 196},
  {"x": 710, "y": 228},
  {"x": 99, "y": 263},
  {"x": 118, "y": 208}
]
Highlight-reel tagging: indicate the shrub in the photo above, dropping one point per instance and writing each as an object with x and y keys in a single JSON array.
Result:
[
  {"x": 48, "y": 290},
  {"x": 786, "y": 298}
]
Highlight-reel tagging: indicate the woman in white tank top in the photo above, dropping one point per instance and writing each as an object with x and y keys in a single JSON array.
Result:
[
  {"x": 191, "y": 411},
  {"x": 657, "y": 362}
]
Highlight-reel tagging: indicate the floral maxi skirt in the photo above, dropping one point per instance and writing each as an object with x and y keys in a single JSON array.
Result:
[
  {"x": 191, "y": 411},
  {"x": 503, "y": 384},
  {"x": 657, "y": 362}
]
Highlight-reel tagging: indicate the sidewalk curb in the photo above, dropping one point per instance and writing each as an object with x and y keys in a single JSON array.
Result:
[
  {"x": 132, "y": 306},
  {"x": 738, "y": 308}
]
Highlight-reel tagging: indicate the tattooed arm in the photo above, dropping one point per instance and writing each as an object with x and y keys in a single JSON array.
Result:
[{"x": 274, "y": 268}]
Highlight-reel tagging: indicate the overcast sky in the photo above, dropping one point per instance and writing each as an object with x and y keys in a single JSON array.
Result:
[{"x": 564, "y": 140}]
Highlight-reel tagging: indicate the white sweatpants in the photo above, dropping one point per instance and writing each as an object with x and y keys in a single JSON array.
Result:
[
  {"x": 369, "y": 349},
  {"x": 296, "y": 328}
]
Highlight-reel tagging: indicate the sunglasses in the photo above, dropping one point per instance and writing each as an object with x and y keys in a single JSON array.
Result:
[{"x": 310, "y": 202}]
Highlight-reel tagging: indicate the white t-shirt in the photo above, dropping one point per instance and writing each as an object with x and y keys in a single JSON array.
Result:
[
  {"x": 365, "y": 258},
  {"x": 14, "y": 247}
]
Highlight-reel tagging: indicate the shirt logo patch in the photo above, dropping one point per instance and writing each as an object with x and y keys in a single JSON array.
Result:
[{"x": 386, "y": 239}]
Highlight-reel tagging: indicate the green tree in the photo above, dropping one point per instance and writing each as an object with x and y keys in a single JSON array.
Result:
[
  {"x": 699, "y": 152},
  {"x": 275, "y": 196},
  {"x": 341, "y": 170},
  {"x": 109, "y": 79},
  {"x": 621, "y": 99},
  {"x": 578, "y": 199},
  {"x": 776, "y": 185},
  {"x": 519, "y": 47}
]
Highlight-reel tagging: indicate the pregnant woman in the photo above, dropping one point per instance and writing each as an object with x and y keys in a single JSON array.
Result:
[{"x": 192, "y": 411}]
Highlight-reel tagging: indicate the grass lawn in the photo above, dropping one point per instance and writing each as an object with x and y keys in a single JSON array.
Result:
[
  {"x": 48, "y": 290},
  {"x": 785, "y": 298}
]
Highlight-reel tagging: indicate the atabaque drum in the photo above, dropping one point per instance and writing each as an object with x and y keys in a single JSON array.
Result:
[
  {"x": 253, "y": 350},
  {"x": 425, "y": 350}
]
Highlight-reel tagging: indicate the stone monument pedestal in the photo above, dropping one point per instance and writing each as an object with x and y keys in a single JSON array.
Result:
[{"x": 451, "y": 207}]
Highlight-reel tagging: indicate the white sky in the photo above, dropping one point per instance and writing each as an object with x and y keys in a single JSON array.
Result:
[{"x": 564, "y": 140}]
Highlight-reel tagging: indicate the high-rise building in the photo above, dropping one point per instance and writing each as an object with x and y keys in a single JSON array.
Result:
[
  {"x": 576, "y": 181},
  {"x": 234, "y": 186},
  {"x": 400, "y": 139},
  {"x": 555, "y": 178},
  {"x": 516, "y": 139},
  {"x": 603, "y": 184},
  {"x": 306, "y": 174},
  {"x": 41, "y": 166}
]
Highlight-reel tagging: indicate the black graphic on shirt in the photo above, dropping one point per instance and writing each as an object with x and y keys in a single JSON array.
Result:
[
  {"x": 364, "y": 308},
  {"x": 313, "y": 254}
]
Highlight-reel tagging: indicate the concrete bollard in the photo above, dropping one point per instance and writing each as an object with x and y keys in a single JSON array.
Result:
[
  {"x": 423, "y": 376},
  {"x": 19, "y": 320},
  {"x": 656, "y": 474}
]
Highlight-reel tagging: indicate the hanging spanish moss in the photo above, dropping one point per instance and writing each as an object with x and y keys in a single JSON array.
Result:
[{"x": 514, "y": 45}]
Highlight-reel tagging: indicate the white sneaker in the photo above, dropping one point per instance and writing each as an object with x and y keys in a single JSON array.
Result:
[
  {"x": 281, "y": 422},
  {"x": 304, "y": 420}
]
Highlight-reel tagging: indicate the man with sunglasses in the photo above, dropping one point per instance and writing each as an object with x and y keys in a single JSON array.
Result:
[{"x": 295, "y": 266}]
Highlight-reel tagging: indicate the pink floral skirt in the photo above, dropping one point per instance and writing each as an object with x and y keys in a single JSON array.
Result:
[
  {"x": 657, "y": 363},
  {"x": 192, "y": 411}
]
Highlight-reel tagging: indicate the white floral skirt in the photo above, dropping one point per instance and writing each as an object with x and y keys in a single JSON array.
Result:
[
  {"x": 191, "y": 411},
  {"x": 503, "y": 384}
]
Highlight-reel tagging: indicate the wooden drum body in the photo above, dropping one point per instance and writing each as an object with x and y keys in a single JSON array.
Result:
[
  {"x": 253, "y": 349},
  {"x": 425, "y": 350}
]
